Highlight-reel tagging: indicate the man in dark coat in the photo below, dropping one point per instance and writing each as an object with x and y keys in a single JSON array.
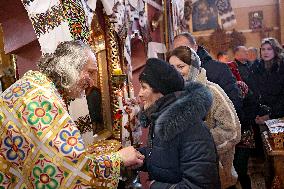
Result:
[
  {"x": 250, "y": 104},
  {"x": 181, "y": 152},
  {"x": 216, "y": 72},
  {"x": 249, "y": 108},
  {"x": 241, "y": 59}
]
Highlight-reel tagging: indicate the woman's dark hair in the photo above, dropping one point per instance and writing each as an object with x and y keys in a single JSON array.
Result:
[
  {"x": 153, "y": 89},
  {"x": 183, "y": 53}
]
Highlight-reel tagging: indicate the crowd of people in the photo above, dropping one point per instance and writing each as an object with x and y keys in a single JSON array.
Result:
[
  {"x": 261, "y": 80},
  {"x": 204, "y": 117}
]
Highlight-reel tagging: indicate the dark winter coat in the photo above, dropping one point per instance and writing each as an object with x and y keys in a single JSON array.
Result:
[
  {"x": 181, "y": 151},
  {"x": 244, "y": 70},
  {"x": 268, "y": 87},
  {"x": 220, "y": 74},
  {"x": 250, "y": 104}
]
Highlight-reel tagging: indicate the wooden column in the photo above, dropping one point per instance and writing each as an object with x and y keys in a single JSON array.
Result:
[{"x": 281, "y": 20}]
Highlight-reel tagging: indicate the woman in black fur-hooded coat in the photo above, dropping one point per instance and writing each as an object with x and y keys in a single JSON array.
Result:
[{"x": 180, "y": 151}]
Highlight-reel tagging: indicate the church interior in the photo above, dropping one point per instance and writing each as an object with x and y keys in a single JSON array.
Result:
[{"x": 123, "y": 34}]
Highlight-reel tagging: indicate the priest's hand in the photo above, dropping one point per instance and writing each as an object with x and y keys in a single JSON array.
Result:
[{"x": 131, "y": 157}]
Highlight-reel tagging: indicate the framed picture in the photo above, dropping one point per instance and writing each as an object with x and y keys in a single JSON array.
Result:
[
  {"x": 255, "y": 20},
  {"x": 204, "y": 17}
]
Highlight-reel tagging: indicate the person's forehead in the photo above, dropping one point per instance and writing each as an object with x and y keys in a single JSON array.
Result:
[
  {"x": 92, "y": 56},
  {"x": 175, "y": 59},
  {"x": 252, "y": 52},
  {"x": 243, "y": 49},
  {"x": 144, "y": 84},
  {"x": 267, "y": 45},
  {"x": 91, "y": 63},
  {"x": 181, "y": 38},
  {"x": 184, "y": 40}
]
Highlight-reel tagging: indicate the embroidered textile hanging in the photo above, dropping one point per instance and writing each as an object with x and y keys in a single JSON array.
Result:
[
  {"x": 75, "y": 14},
  {"x": 55, "y": 21},
  {"x": 50, "y": 24},
  {"x": 226, "y": 13}
]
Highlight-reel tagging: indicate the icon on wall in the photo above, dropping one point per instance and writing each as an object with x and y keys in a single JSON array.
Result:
[
  {"x": 204, "y": 16},
  {"x": 255, "y": 20}
]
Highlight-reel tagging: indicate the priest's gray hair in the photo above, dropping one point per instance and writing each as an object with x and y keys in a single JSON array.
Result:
[{"x": 63, "y": 66}]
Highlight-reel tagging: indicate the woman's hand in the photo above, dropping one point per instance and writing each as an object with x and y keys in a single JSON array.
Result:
[
  {"x": 261, "y": 119},
  {"x": 131, "y": 157}
]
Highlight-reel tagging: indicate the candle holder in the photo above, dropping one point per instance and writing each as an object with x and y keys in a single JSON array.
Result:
[
  {"x": 119, "y": 79},
  {"x": 103, "y": 147}
]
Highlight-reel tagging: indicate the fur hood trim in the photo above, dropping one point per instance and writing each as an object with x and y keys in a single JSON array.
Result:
[{"x": 189, "y": 109}]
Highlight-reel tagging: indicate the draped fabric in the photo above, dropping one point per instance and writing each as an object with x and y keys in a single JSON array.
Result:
[
  {"x": 124, "y": 14},
  {"x": 55, "y": 21},
  {"x": 49, "y": 23},
  {"x": 76, "y": 17},
  {"x": 177, "y": 13},
  {"x": 40, "y": 145}
]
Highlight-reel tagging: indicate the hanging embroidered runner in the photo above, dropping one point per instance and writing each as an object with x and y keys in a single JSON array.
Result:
[
  {"x": 50, "y": 24},
  {"x": 226, "y": 13},
  {"x": 75, "y": 14},
  {"x": 55, "y": 21}
]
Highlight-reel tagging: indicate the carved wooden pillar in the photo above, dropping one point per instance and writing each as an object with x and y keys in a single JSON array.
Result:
[{"x": 281, "y": 21}]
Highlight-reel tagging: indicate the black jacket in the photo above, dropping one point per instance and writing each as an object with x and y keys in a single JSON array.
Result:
[
  {"x": 250, "y": 104},
  {"x": 220, "y": 74},
  {"x": 268, "y": 87},
  {"x": 181, "y": 152},
  {"x": 244, "y": 69}
]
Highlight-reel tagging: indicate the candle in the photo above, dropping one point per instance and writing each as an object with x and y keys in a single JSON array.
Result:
[
  {"x": 119, "y": 99},
  {"x": 131, "y": 92},
  {"x": 120, "y": 104},
  {"x": 125, "y": 93}
]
